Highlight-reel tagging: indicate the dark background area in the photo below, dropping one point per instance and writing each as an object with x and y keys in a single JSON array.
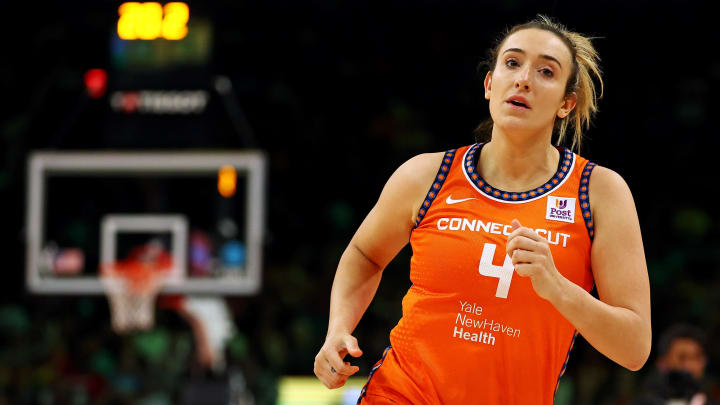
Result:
[{"x": 338, "y": 94}]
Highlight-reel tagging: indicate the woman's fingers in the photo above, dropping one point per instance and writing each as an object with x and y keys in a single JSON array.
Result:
[
  {"x": 523, "y": 238},
  {"x": 525, "y": 269},
  {"x": 327, "y": 373},
  {"x": 351, "y": 345},
  {"x": 330, "y": 366},
  {"x": 523, "y": 256},
  {"x": 519, "y": 230},
  {"x": 336, "y": 363},
  {"x": 523, "y": 243}
]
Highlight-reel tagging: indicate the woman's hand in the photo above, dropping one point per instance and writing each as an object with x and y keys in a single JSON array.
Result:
[
  {"x": 330, "y": 366},
  {"x": 531, "y": 256}
]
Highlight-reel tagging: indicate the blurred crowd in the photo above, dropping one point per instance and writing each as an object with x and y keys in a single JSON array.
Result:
[{"x": 63, "y": 351}]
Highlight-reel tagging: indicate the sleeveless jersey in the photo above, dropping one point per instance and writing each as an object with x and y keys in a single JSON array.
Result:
[{"x": 472, "y": 331}]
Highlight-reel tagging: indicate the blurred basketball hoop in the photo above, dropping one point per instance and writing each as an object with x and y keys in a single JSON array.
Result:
[
  {"x": 131, "y": 287},
  {"x": 135, "y": 225},
  {"x": 132, "y": 284},
  {"x": 93, "y": 203}
]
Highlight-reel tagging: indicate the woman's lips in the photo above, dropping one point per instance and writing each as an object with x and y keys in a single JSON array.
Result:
[
  {"x": 517, "y": 107},
  {"x": 518, "y": 101}
]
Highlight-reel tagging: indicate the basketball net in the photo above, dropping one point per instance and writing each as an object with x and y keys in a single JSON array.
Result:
[{"x": 132, "y": 285}]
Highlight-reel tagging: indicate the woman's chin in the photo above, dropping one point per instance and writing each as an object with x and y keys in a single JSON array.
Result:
[{"x": 512, "y": 125}]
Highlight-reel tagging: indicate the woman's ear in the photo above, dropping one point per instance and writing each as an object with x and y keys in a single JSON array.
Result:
[
  {"x": 488, "y": 83},
  {"x": 568, "y": 105}
]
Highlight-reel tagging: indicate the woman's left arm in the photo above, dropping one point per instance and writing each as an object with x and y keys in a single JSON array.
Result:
[{"x": 618, "y": 324}]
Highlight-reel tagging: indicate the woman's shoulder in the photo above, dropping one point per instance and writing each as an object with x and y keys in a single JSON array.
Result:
[
  {"x": 416, "y": 174},
  {"x": 606, "y": 180},
  {"x": 422, "y": 165},
  {"x": 427, "y": 164},
  {"x": 408, "y": 186},
  {"x": 421, "y": 170},
  {"x": 608, "y": 189}
]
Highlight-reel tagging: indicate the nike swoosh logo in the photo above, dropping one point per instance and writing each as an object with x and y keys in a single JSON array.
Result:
[{"x": 450, "y": 200}]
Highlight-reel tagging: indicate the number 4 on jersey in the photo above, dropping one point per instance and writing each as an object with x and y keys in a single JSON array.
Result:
[{"x": 503, "y": 273}]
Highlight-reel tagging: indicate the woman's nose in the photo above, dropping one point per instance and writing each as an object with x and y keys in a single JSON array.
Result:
[{"x": 522, "y": 80}]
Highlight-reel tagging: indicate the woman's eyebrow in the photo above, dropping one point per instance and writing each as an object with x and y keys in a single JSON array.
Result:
[{"x": 548, "y": 57}]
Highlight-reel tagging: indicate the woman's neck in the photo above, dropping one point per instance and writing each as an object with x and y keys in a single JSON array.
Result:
[{"x": 517, "y": 164}]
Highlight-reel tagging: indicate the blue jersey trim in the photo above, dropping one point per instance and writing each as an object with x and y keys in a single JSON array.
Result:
[
  {"x": 567, "y": 358},
  {"x": 436, "y": 186},
  {"x": 583, "y": 193},
  {"x": 374, "y": 369},
  {"x": 566, "y": 162}
]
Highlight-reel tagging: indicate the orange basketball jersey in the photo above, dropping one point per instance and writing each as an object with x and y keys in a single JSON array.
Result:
[{"x": 473, "y": 331}]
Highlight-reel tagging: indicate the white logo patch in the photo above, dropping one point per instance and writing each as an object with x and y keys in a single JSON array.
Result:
[{"x": 560, "y": 209}]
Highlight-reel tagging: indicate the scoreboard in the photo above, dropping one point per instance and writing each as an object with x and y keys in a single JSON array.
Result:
[
  {"x": 152, "y": 36},
  {"x": 152, "y": 21}
]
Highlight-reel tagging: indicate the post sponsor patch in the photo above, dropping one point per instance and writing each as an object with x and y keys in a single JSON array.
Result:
[{"x": 560, "y": 209}]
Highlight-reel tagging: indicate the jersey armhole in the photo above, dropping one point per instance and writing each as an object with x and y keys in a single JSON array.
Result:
[
  {"x": 584, "y": 194},
  {"x": 436, "y": 186}
]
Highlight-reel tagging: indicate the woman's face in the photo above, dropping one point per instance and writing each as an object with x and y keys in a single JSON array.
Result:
[{"x": 526, "y": 89}]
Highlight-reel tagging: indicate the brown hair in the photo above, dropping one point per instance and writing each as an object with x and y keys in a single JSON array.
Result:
[{"x": 585, "y": 66}]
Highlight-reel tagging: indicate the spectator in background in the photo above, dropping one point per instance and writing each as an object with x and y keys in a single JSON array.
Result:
[{"x": 680, "y": 368}]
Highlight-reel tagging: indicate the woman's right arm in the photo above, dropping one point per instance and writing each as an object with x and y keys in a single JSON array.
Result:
[{"x": 382, "y": 234}]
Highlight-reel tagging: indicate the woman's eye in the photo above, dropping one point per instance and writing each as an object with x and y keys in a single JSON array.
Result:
[
  {"x": 511, "y": 63},
  {"x": 547, "y": 72}
]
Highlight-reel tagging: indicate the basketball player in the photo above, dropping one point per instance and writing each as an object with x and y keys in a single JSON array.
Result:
[{"x": 507, "y": 244}]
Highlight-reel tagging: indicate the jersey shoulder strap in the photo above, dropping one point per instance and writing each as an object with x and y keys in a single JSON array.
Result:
[
  {"x": 584, "y": 197},
  {"x": 442, "y": 174}
]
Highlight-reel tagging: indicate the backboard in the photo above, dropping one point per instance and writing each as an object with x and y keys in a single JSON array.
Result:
[{"x": 86, "y": 209}]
